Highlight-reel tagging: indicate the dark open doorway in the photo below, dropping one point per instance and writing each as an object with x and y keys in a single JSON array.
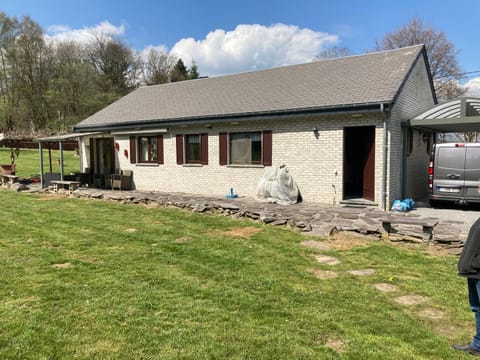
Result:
[
  {"x": 359, "y": 163},
  {"x": 102, "y": 160}
]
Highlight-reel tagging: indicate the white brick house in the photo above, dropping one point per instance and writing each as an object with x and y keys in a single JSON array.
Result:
[{"x": 336, "y": 124}]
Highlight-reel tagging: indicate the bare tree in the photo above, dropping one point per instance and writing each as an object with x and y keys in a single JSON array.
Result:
[
  {"x": 441, "y": 53},
  {"x": 115, "y": 62},
  {"x": 333, "y": 52},
  {"x": 157, "y": 66}
]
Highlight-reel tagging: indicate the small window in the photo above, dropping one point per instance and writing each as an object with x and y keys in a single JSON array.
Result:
[
  {"x": 246, "y": 148},
  {"x": 147, "y": 149},
  {"x": 192, "y": 149}
]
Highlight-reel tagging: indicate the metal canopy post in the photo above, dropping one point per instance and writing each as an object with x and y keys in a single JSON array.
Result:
[
  {"x": 60, "y": 146},
  {"x": 40, "y": 149}
]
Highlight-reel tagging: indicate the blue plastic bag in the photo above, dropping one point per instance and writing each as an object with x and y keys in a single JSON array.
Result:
[{"x": 402, "y": 205}]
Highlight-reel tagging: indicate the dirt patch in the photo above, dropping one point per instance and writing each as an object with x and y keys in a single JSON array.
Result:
[
  {"x": 345, "y": 240},
  {"x": 336, "y": 344},
  {"x": 130, "y": 230},
  {"x": 243, "y": 232},
  {"x": 62, "y": 266},
  {"x": 383, "y": 287},
  {"x": 409, "y": 300},
  {"x": 313, "y": 244},
  {"x": 183, "y": 240},
  {"x": 431, "y": 313},
  {"x": 324, "y": 274}
]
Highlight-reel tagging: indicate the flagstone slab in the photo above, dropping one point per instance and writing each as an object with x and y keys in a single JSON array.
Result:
[
  {"x": 328, "y": 260},
  {"x": 362, "y": 272},
  {"x": 384, "y": 287},
  {"x": 409, "y": 300}
]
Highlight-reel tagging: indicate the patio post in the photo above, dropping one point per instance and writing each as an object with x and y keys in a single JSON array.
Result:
[{"x": 40, "y": 149}]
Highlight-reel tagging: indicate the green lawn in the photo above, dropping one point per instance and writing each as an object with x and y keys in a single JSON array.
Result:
[
  {"x": 28, "y": 161},
  {"x": 92, "y": 279}
]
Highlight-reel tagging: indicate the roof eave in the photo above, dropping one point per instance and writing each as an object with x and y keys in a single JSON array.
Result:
[{"x": 267, "y": 115}]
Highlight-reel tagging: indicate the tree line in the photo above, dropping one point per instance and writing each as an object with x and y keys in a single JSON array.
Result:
[{"x": 46, "y": 86}]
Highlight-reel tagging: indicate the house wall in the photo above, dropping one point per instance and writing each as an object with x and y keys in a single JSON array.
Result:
[
  {"x": 414, "y": 98},
  {"x": 316, "y": 163}
]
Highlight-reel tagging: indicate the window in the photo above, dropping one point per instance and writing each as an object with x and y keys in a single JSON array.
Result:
[
  {"x": 192, "y": 149},
  {"x": 146, "y": 149},
  {"x": 246, "y": 148}
]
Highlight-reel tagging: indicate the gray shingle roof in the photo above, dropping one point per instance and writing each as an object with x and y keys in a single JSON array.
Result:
[{"x": 353, "y": 80}]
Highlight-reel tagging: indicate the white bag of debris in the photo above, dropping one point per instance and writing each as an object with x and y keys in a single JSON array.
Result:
[{"x": 277, "y": 186}]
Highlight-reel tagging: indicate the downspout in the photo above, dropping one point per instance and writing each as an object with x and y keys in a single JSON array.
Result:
[
  {"x": 405, "y": 142},
  {"x": 385, "y": 157}
]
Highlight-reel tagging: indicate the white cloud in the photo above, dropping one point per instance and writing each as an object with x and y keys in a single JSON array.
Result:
[
  {"x": 146, "y": 50},
  {"x": 251, "y": 47},
  {"x": 473, "y": 87},
  {"x": 85, "y": 34}
]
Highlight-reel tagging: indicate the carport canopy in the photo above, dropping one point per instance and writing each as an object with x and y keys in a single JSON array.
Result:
[{"x": 455, "y": 116}]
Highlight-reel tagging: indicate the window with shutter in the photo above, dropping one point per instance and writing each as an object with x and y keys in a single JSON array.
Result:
[{"x": 246, "y": 148}]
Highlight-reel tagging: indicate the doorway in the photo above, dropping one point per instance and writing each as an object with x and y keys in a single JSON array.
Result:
[
  {"x": 102, "y": 160},
  {"x": 359, "y": 163}
]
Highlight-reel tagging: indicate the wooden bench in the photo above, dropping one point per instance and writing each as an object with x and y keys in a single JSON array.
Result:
[
  {"x": 65, "y": 184},
  {"x": 8, "y": 179},
  {"x": 426, "y": 224}
]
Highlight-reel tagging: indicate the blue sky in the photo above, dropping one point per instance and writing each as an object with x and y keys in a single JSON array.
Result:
[{"x": 271, "y": 33}]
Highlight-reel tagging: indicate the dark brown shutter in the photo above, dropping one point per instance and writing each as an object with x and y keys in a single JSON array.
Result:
[
  {"x": 179, "y": 149},
  {"x": 267, "y": 147},
  {"x": 204, "y": 149},
  {"x": 133, "y": 149},
  {"x": 223, "y": 148},
  {"x": 160, "y": 149}
]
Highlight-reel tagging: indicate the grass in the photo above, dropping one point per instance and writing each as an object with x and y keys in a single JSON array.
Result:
[
  {"x": 28, "y": 161},
  {"x": 91, "y": 279}
]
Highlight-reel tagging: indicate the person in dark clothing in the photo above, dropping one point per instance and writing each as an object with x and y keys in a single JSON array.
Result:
[{"x": 469, "y": 267}]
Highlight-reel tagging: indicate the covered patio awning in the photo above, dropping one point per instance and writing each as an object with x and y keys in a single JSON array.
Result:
[
  {"x": 60, "y": 139},
  {"x": 459, "y": 115}
]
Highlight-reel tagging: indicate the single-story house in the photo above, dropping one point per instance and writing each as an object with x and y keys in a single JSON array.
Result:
[{"x": 338, "y": 125}]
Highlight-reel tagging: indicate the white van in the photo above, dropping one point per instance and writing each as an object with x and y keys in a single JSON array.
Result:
[{"x": 454, "y": 173}]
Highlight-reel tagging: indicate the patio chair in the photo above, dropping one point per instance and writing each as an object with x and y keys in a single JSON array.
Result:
[{"x": 122, "y": 181}]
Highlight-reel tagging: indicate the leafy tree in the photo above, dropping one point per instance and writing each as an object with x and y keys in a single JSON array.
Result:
[
  {"x": 441, "y": 54},
  {"x": 179, "y": 72},
  {"x": 193, "y": 72}
]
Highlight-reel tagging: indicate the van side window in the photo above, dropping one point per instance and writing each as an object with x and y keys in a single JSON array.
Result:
[{"x": 472, "y": 159}]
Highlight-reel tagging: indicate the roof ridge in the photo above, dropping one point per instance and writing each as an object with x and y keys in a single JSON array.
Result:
[{"x": 289, "y": 66}]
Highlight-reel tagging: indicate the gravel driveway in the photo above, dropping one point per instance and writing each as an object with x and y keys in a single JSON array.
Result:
[{"x": 450, "y": 212}]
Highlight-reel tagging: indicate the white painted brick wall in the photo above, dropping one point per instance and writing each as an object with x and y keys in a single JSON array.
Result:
[{"x": 316, "y": 164}]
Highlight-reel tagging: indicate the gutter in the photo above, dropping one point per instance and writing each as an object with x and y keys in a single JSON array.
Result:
[{"x": 212, "y": 119}]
